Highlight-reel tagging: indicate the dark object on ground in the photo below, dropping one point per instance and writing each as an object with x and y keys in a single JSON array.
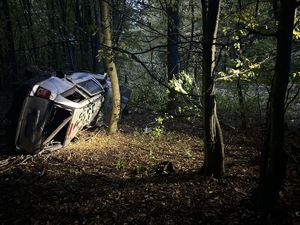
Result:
[{"x": 164, "y": 168}]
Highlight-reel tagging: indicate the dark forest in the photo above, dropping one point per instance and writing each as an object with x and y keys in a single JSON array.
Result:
[{"x": 149, "y": 112}]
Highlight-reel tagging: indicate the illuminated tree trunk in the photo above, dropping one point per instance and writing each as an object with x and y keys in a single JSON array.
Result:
[
  {"x": 111, "y": 68},
  {"x": 213, "y": 137},
  {"x": 274, "y": 159}
]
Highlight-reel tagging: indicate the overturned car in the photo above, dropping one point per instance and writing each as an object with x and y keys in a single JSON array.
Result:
[{"x": 55, "y": 108}]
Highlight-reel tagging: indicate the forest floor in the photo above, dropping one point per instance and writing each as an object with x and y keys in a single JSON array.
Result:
[{"x": 114, "y": 179}]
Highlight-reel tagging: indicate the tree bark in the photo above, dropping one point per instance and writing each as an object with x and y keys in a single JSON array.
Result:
[
  {"x": 87, "y": 21},
  {"x": 188, "y": 57},
  {"x": 69, "y": 58},
  {"x": 111, "y": 68},
  {"x": 78, "y": 29},
  {"x": 241, "y": 103},
  {"x": 274, "y": 159},
  {"x": 9, "y": 56},
  {"x": 213, "y": 137},
  {"x": 52, "y": 51},
  {"x": 172, "y": 50},
  {"x": 27, "y": 12},
  {"x": 95, "y": 35},
  {"x": 119, "y": 19}
]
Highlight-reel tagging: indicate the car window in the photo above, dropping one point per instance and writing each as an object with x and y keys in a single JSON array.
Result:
[
  {"x": 91, "y": 87},
  {"x": 73, "y": 95}
]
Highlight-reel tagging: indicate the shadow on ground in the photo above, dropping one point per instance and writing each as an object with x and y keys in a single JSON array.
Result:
[{"x": 105, "y": 179}]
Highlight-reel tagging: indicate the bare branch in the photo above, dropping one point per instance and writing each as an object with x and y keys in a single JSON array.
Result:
[
  {"x": 153, "y": 76},
  {"x": 292, "y": 99}
]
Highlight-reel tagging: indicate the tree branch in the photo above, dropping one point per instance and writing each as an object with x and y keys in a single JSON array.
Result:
[
  {"x": 292, "y": 99},
  {"x": 134, "y": 57},
  {"x": 252, "y": 31}
]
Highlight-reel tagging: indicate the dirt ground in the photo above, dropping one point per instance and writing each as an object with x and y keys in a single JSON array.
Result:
[{"x": 104, "y": 179}]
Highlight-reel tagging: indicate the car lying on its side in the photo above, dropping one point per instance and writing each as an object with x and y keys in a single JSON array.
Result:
[{"x": 56, "y": 108}]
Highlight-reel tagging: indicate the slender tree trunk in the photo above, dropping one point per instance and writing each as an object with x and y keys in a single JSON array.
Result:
[
  {"x": 27, "y": 11},
  {"x": 172, "y": 50},
  {"x": 2, "y": 76},
  {"x": 89, "y": 38},
  {"x": 52, "y": 52},
  {"x": 274, "y": 160},
  {"x": 95, "y": 41},
  {"x": 21, "y": 45},
  {"x": 112, "y": 71},
  {"x": 213, "y": 138},
  {"x": 78, "y": 31},
  {"x": 10, "y": 56},
  {"x": 32, "y": 37},
  {"x": 67, "y": 48},
  {"x": 197, "y": 72},
  {"x": 241, "y": 103},
  {"x": 98, "y": 35},
  {"x": 119, "y": 19},
  {"x": 188, "y": 57}
]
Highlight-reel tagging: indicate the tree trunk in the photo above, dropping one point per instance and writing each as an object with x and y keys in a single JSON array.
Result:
[
  {"x": 9, "y": 56},
  {"x": 27, "y": 12},
  {"x": 119, "y": 19},
  {"x": 98, "y": 64},
  {"x": 52, "y": 52},
  {"x": 172, "y": 50},
  {"x": 213, "y": 138},
  {"x": 111, "y": 68},
  {"x": 188, "y": 57},
  {"x": 67, "y": 48},
  {"x": 95, "y": 41},
  {"x": 241, "y": 103},
  {"x": 78, "y": 29},
  {"x": 274, "y": 160},
  {"x": 87, "y": 21}
]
